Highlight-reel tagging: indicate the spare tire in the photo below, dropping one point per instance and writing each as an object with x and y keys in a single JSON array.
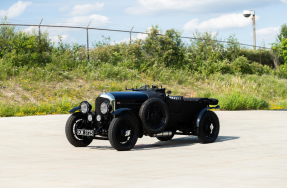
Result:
[{"x": 154, "y": 115}]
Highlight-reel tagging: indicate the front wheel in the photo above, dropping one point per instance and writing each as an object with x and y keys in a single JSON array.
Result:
[
  {"x": 208, "y": 127},
  {"x": 76, "y": 121},
  {"x": 123, "y": 132}
]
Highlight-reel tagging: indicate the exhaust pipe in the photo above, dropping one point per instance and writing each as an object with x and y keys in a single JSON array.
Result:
[{"x": 163, "y": 134}]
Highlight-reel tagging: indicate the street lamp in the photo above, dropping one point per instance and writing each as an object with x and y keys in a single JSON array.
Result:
[{"x": 247, "y": 13}]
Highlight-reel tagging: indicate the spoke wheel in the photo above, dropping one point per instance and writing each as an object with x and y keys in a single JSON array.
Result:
[
  {"x": 76, "y": 121},
  {"x": 154, "y": 115},
  {"x": 208, "y": 127},
  {"x": 123, "y": 132}
]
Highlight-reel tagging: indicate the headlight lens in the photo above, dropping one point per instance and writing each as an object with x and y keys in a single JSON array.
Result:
[
  {"x": 99, "y": 117},
  {"x": 84, "y": 107},
  {"x": 104, "y": 107},
  {"x": 90, "y": 117}
]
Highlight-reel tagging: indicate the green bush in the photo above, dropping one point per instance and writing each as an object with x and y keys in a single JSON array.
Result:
[
  {"x": 239, "y": 101},
  {"x": 224, "y": 67},
  {"x": 159, "y": 51},
  {"x": 241, "y": 64}
]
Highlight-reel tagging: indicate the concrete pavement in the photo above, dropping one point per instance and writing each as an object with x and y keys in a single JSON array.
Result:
[{"x": 251, "y": 151}]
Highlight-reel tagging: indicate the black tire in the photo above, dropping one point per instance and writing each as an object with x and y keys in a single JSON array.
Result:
[
  {"x": 73, "y": 123},
  {"x": 117, "y": 132},
  {"x": 154, "y": 115},
  {"x": 206, "y": 133},
  {"x": 164, "y": 139}
]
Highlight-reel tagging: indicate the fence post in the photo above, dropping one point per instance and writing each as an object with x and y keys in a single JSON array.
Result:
[
  {"x": 260, "y": 54},
  {"x": 234, "y": 52},
  {"x": 40, "y": 36},
  {"x": 88, "y": 41},
  {"x": 131, "y": 35}
]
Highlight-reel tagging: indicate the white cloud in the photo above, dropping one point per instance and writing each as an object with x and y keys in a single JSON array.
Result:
[
  {"x": 144, "y": 36},
  {"x": 141, "y": 36},
  {"x": 15, "y": 10},
  {"x": 54, "y": 33},
  {"x": 127, "y": 40},
  {"x": 30, "y": 29},
  {"x": 86, "y": 9},
  {"x": 99, "y": 20},
  {"x": 65, "y": 33},
  {"x": 79, "y": 15},
  {"x": 144, "y": 7},
  {"x": 55, "y": 38},
  {"x": 225, "y": 21},
  {"x": 267, "y": 33},
  {"x": 284, "y": 1},
  {"x": 124, "y": 40},
  {"x": 138, "y": 36}
]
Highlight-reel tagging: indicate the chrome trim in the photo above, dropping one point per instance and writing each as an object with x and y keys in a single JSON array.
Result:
[
  {"x": 202, "y": 112},
  {"x": 163, "y": 134},
  {"x": 211, "y": 128},
  {"x": 128, "y": 133},
  {"x": 111, "y": 98}
]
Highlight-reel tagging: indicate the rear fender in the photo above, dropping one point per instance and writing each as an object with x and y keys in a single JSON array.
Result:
[
  {"x": 134, "y": 114},
  {"x": 201, "y": 114}
]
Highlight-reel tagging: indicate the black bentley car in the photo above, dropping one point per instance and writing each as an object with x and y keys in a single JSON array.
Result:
[{"x": 123, "y": 117}]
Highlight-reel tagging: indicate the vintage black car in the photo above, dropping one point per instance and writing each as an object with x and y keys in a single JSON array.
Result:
[{"x": 123, "y": 117}]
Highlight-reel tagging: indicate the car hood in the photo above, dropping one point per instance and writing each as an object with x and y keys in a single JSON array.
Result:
[{"x": 129, "y": 95}]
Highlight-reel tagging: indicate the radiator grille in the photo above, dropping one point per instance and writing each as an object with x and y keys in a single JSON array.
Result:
[{"x": 132, "y": 105}]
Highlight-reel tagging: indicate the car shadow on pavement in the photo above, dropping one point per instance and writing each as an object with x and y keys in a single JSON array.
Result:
[
  {"x": 176, "y": 142},
  {"x": 181, "y": 142},
  {"x": 226, "y": 138}
]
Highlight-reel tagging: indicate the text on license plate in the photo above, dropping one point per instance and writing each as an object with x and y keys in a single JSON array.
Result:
[{"x": 85, "y": 132}]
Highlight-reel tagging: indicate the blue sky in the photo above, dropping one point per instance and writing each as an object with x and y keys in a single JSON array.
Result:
[{"x": 222, "y": 16}]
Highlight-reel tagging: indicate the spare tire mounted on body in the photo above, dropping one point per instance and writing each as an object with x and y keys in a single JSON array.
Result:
[{"x": 154, "y": 115}]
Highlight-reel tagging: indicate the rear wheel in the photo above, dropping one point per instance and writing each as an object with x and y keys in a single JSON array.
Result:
[
  {"x": 123, "y": 132},
  {"x": 76, "y": 121},
  {"x": 208, "y": 127}
]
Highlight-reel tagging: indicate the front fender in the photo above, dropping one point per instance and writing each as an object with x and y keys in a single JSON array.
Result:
[
  {"x": 118, "y": 111},
  {"x": 133, "y": 113},
  {"x": 74, "y": 109}
]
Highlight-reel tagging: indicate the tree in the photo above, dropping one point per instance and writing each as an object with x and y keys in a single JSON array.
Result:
[
  {"x": 278, "y": 46},
  {"x": 284, "y": 48},
  {"x": 283, "y": 33},
  {"x": 7, "y": 33}
]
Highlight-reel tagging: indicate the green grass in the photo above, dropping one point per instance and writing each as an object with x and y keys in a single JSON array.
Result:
[
  {"x": 34, "y": 93},
  {"x": 41, "y": 108}
]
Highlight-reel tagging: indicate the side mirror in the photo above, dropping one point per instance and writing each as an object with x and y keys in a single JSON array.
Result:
[{"x": 168, "y": 92}]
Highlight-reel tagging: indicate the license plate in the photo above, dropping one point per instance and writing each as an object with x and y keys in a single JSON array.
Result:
[{"x": 85, "y": 132}]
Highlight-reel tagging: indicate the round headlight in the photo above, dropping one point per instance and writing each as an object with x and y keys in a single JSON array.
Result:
[
  {"x": 104, "y": 107},
  {"x": 99, "y": 117},
  {"x": 84, "y": 107},
  {"x": 90, "y": 117}
]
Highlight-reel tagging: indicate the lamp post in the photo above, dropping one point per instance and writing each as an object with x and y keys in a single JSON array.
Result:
[{"x": 247, "y": 13}]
